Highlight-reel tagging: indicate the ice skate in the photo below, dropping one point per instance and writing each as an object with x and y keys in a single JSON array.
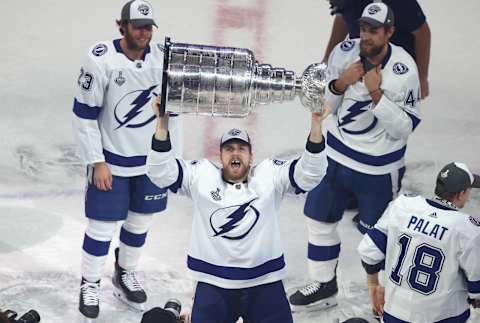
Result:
[
  {"x": 127, "y": 288},
  {"x": 315, "y": 296},
  {"x": 89, "y": 300}
]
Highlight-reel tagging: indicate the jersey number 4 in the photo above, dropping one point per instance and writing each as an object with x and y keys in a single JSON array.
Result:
[{"x": 425, "y": 269}]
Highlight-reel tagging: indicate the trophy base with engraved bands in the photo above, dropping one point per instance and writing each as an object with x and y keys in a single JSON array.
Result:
[{"x": 229, "y": 82}]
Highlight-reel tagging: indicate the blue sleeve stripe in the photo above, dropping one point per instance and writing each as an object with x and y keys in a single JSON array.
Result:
[
  {"x": 415, "y": 120},
  {"x": 132, "y": 239},
  {"x": 175, "y": 186},
  {"x": 236, "y": 273},
  {"x": 323, "y": 253},
  {"x": 291, "y": 177},
  {"x": 85, "y": 111},
  {"x": 379, "y": 238},
  {"x": 95, "y": 247},
  {"x": 366, "y": 159},
  {"x": 473, "y": 287},
  {"x": 118, "y": 160}
]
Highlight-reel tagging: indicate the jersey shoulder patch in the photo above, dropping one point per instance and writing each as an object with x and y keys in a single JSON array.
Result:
[
  {"x": 278, "y": 162},
  {"x": 400, "y": 68},
  {"x": 347, "y": 45},
  {"x": 99, "y": 49}
]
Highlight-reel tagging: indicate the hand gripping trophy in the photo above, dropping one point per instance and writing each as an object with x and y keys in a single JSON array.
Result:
[{"x": 228, "y": 82}]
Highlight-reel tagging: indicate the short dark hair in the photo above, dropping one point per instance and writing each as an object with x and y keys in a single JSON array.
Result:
[
  {"x": 122, "y": 25},
  {"x": 445, "y": 195}
]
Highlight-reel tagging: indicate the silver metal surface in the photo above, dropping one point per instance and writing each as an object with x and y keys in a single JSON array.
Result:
[{"x": 229, "y": 82}]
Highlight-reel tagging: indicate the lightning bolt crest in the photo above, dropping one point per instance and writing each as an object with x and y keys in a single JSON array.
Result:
[
  {"x": 355, "y": 110},
  {"x": 234, "y": 217},
  {"x": 139, "y": 102}
]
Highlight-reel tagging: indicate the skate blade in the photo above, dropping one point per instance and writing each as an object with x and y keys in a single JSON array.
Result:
[
  {"x": 320, "y": 305},
  {"x": 88, "y": 319},
  {"x": 140, "y": 307}
]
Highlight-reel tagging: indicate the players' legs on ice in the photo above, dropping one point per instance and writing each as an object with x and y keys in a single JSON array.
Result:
[
  {"x": 94, "y": 254},
  {"x": 324, "y": 208},
  {"x": 145, "y": 199},
  {"x": 374, "y": 193},
  {"x": 103, "y": 209},
  {"x": 132, "y": 238}
]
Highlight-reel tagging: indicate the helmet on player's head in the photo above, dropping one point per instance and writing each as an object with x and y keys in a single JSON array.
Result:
[{"x": 138, "y": 12}]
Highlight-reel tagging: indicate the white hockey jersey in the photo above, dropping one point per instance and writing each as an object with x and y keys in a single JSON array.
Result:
[
  {"x": 235, "y": 241},
  {"x": 372, "y": 138},
  {"x": 432, "y": 261},
  {"x": 113, "y": 120}
]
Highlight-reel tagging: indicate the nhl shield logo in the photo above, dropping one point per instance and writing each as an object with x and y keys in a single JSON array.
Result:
[{"x": 144, "y": 9}]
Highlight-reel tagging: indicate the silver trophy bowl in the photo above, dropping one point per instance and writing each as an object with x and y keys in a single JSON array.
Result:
[{"x": 229, "y": 82}]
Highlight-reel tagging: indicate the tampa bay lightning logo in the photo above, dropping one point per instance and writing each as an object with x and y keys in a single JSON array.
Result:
[
  {"x": 354, "y": 114},
  {"x": 234, "y": 132},
  {"x": 234, "y": 222},
  {"x": 143, "y": 9},
  {"x": 374, "y": 9},
  {"x": 99, "y": 49},
  {"x": 132, "y": 110},
  {"x": 400, "y": 68},
  {"x": 347, "y": 45}
]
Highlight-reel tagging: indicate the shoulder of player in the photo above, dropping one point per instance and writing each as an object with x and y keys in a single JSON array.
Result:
[
  {"x": 156, "y": 47},
  {"x": 407, "y": 201},
  {"x": 201, "y": 163},
  {"x": 100, "y": 50},
  {"x": 347, "y": 50},
  {"x": 401, "y": 64}
]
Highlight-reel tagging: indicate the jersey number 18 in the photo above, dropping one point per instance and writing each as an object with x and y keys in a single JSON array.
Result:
[{"x": 425, "y": 269}]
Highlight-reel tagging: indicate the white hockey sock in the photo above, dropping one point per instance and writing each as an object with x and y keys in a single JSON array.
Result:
[
  {"x": 132, "y": 239},
  {"x": 96, "y": 244},
  {"x": 323, "y": 241}
]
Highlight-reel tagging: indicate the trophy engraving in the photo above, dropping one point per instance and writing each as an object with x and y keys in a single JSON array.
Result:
[{"x": 229, "y": 82}]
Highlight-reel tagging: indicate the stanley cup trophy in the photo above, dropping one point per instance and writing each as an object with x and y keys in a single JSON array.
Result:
[{"x": 229, "y": 82}]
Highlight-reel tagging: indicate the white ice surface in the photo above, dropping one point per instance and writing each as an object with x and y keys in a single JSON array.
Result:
[{"x": 41, "y": 182}]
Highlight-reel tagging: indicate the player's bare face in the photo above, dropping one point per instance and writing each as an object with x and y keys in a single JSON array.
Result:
[
  {"x": 236, "y": 157},
  {"x": 372, "y": 40},
  {"x": 463, "y": 198},
  {"x": 138, "y": 38}
]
